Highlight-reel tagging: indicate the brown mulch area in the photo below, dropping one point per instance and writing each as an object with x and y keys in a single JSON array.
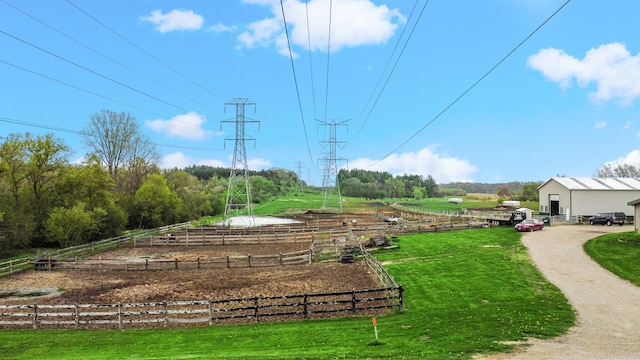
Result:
[{"x": 206, "y": 284}]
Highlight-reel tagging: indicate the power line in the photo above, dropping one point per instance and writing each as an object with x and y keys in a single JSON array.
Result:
[
  {"x": 94, "y": 72},
  {"x": 102, "y": 54},
  {"x": 465, "y": 92},
  {"x": 313, "y": 88},
  {"x": 145, "y": 51},
  {"x": 78, "y": 132},
  {"x": 392, "y": 69},
  {"x": 326, "y": 94},
  {"x": 78, "y": 88},
  {"x": 295, "y": 80}
]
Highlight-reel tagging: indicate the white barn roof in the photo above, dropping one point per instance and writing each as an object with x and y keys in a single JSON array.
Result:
[{"x": 594, "y": 183}]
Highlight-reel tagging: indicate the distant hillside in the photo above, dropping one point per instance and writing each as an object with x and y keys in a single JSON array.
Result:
[{"x": 482, "y": 188}]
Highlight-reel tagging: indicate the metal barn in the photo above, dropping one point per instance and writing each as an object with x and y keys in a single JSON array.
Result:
[{"x": 572, "y": 196}]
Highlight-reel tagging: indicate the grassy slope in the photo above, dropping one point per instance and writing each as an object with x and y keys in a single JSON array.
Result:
[
  {"x": 465, "y": 292},
  {"x": 619, "y": 257}
]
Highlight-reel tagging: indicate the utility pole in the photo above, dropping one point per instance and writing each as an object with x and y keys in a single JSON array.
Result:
[
  {"x": 239, "y": 191},
  {"x": 330, "y": 181},
  {"x": 299, "y": 190}
]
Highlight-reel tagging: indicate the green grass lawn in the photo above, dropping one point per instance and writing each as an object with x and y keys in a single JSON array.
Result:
[
  {"x": 466, "y": 292},
  {"x": 618, "y": 253}
]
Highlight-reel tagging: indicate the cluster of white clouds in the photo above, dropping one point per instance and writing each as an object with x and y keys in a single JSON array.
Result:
[
  {"x": 184, "y": 126},
  {"x": 353, "y": 23},
  {"x": 424, "y": 162},
  {"x": 611, "y": 67}
]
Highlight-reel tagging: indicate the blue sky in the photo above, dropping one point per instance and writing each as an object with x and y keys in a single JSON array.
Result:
[{"x": 563, "y": 103}]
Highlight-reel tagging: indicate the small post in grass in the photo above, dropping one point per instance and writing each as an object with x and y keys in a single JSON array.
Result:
[{"x": 375, "y": 328}]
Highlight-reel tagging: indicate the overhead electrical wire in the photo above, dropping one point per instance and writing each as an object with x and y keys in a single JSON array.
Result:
[
  {"x": 94, "y": 72},
  {"x": 146, "y": 52},
  {"x": 78, "y": 88},
  {"x": 102, "y": 54},
  {"x": 295, "y": 80},
  {"x": 384, "y": 86},
  {"x": 326, "y": 96},
  {"x": 313, "y": 87},
  {"x": 77, "y": 132},
  {"x": 465, "y": 92}
]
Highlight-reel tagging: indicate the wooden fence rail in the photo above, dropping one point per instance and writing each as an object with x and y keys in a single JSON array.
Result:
[
  {"x": 209, "y": 312},
  {"x": 217, "y": 262}
]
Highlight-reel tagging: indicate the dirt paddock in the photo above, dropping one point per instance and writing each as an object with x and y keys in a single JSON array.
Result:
[{"x": 79, "y": 287}]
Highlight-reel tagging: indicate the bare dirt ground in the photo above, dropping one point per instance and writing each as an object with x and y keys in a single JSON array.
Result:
[
  {"x": 204, "y": 284},
  {"x": 608, "y": 308}
]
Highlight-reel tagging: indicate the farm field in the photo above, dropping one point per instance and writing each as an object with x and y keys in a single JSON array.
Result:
[{"x": 466, "y": 293}]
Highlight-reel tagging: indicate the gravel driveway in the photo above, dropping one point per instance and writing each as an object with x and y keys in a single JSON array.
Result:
[{"x": 608, "y": 324}]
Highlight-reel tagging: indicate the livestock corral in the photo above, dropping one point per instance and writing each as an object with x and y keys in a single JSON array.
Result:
[{"x": 316, "y": 266}]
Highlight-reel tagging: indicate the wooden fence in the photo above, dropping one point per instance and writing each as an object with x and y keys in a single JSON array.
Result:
[
  {"x": 28, "y": 263},
  {"x": 209, "y": 312},
  {"x": 217, "y": 262}
]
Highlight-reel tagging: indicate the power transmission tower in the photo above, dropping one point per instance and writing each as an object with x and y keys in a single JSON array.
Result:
[
  {"x": 299, "y": 189},
  {"x": 239, "y": 191},
  {"x": 330, "y": 181}
]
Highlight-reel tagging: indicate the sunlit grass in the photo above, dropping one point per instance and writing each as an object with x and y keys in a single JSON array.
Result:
[{"x": 466, "y": 292}]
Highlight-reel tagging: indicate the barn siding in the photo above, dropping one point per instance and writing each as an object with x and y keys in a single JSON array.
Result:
[{"x": 587, "y": 202}]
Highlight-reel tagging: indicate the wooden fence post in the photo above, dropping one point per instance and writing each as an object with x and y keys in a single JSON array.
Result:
[
  {"x": 165, "y": 319},
  {"x": 35, "y": 316},
  {"x": 249, "y": 259},
  {"x": 198, "y": 262},
  {"x": 210, "y": 312},
  {"x": 305, "y": 310},
  {"x": 227, "y": 261},
  {"x": 120, "y": 316},
  {"x": 256, "y": 309},
  {"x": 176, "y": 262},
  {"x": 146, "y": 264},
  {"x": 353, "y": 302},
  {"x": 77, "y": 315}
]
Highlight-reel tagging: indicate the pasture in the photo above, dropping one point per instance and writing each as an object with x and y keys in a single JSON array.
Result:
[{"x": 466, "y": 292}]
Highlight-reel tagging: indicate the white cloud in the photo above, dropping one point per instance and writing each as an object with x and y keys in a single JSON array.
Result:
[
  {"x": 220, "y": 27},
  {"x": 175, "y": 20},
  {"x": 632, "y": 158},
  {"x": 628, "y": 125},
  {"x": 425, "y": 162},
  {"x": 353, "y": 23},
  {"x": 600, "y": 124},
  {"x": 183, "y": 126},
  {"x": 611, "y": 67}
]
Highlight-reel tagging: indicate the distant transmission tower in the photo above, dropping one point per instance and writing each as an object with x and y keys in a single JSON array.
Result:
[
  {"x": 330, "y": 160},
  {"x": 239, "y": 191},
  {"x": 299, "y": 167}
]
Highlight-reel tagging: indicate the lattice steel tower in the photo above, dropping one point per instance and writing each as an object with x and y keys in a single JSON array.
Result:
[
  {"x": 239, "y": 190},
  {"x": 330, "y": 181}
]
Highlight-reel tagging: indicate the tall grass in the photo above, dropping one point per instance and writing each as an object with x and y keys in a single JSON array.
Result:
[{"x": 466, "y": 292}]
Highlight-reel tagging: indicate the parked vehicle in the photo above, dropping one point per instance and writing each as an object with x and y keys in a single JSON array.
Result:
[
  {"x": 530, "y": 225},
  {"x": 609, "y": 218}
]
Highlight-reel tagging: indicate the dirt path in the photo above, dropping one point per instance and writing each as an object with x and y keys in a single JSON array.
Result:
[{"x": 608, "y": 324}]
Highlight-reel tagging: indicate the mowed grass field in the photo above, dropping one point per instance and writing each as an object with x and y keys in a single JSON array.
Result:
[{"x": 466, "y": 292}]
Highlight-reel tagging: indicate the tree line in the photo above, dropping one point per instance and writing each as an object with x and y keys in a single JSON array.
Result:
[
  {"x": 47, "y": 201},
  {"x": 379, "y": 185}
]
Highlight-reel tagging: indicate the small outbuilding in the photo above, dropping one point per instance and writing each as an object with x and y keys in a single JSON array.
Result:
[
  {"x": 636, "y": 213},
  {"x": 572, "y": 196}
]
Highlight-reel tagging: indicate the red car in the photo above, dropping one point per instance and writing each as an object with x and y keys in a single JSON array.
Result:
[{"x": 530, "y": 225}]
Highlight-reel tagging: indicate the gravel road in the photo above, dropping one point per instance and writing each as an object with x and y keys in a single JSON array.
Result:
[{"x": 608, "y": 324}]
